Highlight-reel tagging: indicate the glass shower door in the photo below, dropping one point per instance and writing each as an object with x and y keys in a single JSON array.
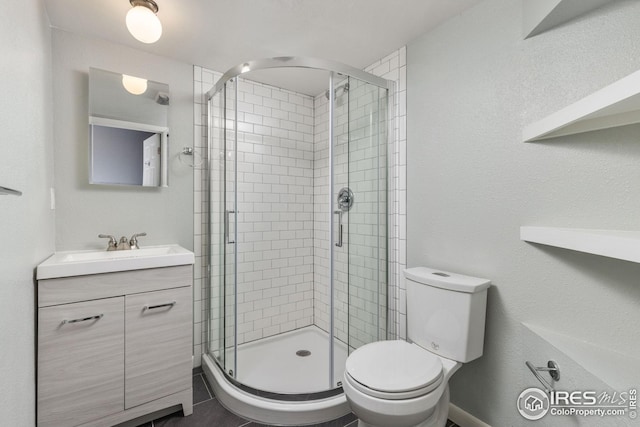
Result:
[
  {"x": 360, "y": 209},
  {"x": 222, "y": 221},
  {"x": 340, "y": 230}
]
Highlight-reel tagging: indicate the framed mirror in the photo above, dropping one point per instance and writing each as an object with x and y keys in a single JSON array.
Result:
[{"x": 128, "y": 130}]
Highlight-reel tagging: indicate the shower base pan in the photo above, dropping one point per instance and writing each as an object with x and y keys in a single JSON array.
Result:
[{"x": 278, "y": 383}]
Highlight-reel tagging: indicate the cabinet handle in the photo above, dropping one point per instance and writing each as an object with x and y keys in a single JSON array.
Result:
[
  {"x": 153, "y": 307},
  {"x": 84, "y": 319}
]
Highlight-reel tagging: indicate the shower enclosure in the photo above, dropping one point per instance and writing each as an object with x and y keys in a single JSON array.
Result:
[{"x": 297, "y": 226}]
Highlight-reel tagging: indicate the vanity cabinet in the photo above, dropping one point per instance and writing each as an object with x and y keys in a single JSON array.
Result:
[
  {"x": 157, "y": 345},
  {"x": 80, "y": 362},
  {"x": 113, "y": 347}
]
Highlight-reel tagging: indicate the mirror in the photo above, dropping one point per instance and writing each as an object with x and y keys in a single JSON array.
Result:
[{"x": 128, "y": 130}]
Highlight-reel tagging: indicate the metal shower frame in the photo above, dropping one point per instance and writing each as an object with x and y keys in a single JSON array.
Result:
[{"x": 333, "y": 68}]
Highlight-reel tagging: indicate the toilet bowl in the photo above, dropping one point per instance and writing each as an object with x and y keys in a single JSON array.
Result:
[
  {"x": 405, "y": 384},
  {"x": 396, "y": 383}
]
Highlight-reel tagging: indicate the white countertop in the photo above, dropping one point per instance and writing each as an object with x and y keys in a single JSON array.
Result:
[{"x": 80, "y": 263}]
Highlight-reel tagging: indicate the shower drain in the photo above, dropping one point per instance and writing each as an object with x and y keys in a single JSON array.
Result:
[{"x": 303, "y": 353}]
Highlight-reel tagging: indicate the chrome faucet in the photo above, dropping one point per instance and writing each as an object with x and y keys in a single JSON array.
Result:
[
  {"x": 113, "y": 243},
  {"x": 133, "y": 243},
  {"x": 123, "y": 245}
]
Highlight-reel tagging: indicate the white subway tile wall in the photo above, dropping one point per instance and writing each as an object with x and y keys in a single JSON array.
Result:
[
  {"x": 282, "y": 213},
  {"x": 275, "y": 211}
]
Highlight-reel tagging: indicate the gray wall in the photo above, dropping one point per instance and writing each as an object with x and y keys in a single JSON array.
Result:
[
  {"x": 473, "y": 84},
  {"x": 84, "y": 210},
  {"x": 26, "y": 222}
]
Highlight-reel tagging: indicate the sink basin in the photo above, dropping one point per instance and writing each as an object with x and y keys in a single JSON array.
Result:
[
  {"x": 79, "y": 263},
  {"x": 103, "y": 255}
]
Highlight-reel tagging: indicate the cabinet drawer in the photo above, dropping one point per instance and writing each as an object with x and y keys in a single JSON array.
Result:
[
  {"x": 80, "y": 362},
  {"x": 158, "y": 335},
  {"x": 83, "y": 288}
]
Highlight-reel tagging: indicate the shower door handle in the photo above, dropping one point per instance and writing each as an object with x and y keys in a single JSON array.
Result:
[
  {"x": 226, "y": 226},
  {"x": 339, "y": 213}
]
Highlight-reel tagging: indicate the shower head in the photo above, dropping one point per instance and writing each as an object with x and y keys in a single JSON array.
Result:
[{"x": 344, "y": 87}]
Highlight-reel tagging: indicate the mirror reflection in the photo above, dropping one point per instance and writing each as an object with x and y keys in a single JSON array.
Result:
[{"x": 128, "y": 129}]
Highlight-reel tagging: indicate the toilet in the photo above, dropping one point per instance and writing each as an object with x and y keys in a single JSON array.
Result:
[{"x": 401, "y": 383}]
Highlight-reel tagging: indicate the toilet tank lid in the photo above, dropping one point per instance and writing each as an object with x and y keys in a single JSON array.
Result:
[{"x": 446, "y": 280}]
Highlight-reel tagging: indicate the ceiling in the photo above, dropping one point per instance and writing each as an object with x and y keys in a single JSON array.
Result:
[{"x": 223, "y": 33}]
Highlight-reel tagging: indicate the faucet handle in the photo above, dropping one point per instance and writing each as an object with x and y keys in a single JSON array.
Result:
[
  {"x": 113, "y": 243},
  {"x": 134, "y": 240}
]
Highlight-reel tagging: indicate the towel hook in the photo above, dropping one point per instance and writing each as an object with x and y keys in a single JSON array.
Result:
[{"x": 188, "y": 151}]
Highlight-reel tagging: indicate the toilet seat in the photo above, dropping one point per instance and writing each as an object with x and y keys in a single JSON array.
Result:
[{"x": 393, "y": 370}]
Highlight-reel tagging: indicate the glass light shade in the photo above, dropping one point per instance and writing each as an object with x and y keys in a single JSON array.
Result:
[
  {"x": 134, "y": 85},
  {"x": 143, "y": 24}
]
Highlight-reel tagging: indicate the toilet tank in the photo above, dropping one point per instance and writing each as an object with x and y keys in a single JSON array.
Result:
[{"x": 446, "y": 312}]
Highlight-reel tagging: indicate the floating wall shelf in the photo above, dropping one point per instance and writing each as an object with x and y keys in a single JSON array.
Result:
[
  {"x": 615, "y": 105},
  {"x": 542, "y": 15},
  {"x": 624, "y": 245}
]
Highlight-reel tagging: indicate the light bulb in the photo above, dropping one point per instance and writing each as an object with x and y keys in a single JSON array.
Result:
[
  {"x": 134, "y": 85},
  {"x": 245, "y": 68},
  {"x": 143, "y": 24}
]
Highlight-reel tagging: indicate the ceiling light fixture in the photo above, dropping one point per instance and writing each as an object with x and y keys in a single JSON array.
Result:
[
  {"x": 245, "y": 68},
  {"x": 134, "y": 85},
  {"x": 142, "y": 21}
]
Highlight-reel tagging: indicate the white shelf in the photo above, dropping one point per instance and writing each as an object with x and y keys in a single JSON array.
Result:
[
  {"x": 624, "y": 245},
  {"x": 615, "y": 105},
  {"x": 542, "y": 15}
]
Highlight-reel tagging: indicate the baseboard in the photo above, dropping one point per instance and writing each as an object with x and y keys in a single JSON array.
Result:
[{"x": 464, "y": 419}]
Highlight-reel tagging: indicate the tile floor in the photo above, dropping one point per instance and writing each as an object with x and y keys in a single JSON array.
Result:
[{"x": 207, "y": 411}]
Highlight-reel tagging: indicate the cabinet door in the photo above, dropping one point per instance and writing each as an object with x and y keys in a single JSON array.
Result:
[
  {"x": 158, "y": 331},
  {"x": 80, "y": 361}
]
